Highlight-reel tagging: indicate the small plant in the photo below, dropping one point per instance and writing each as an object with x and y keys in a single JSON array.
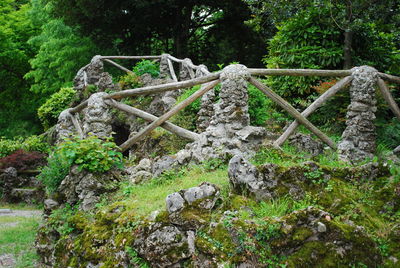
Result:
[
  {"x": 92, "y": 154},
  {"x": 29, "y": 144},
  {"x": 48, "y": 113},
  {"x": 135, "y": 258},
  {"x": 59, "y": 219},
  {"x": 52, "y": 175},
  {"x": 130, "y": 80},
  {"x": 147, "y": 66}
]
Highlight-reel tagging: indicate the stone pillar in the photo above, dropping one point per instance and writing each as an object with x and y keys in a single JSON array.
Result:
[
  {"x": 89, "y": 74},
  {"x": 185, "y": 71},
  {"x": 97, "y": 117},
  {"x": 164, "y": 68},
  {"x": 207, "y": 105},
  {"x": 232, "y": 111},
  {"x": 64, "y": 128},
  {"x": 358, "y": 139}
]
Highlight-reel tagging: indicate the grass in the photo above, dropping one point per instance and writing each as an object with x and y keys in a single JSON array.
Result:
[
  {"x": 20, "y": 206},
  {"x": 18, "y": 239},
  {"x": 148, "y": 197}
]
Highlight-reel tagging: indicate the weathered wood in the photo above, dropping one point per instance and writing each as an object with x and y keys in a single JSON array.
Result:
[
  {"x": 310, "y": 109},
  {"x": 118, "y": 66},
  {"x": 388, "y": 98},
  {"x": 167, "y": 115},
  {"x": 131, "y": 57},
  {"x": 163, "y": 87},
  {"x": 190, "y": 64},
  {"x": 292, "y": 111},
  {"x": 171, "y": 70},
  {"x": 76, "y": 125},
  {"x": 79, "y": 107},
  {"x": 390, "y": 78},
  {"x": 300, "y": 72},
  {"x": 149, "y": 117}
]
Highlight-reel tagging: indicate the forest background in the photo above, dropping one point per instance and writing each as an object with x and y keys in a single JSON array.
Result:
[{"x": 43, "y": 43}]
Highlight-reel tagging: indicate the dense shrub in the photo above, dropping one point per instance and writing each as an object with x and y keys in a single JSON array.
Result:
[
  {"x": 48, "y": 113},
  {"x": 22, "y": 160},
  {"x": 130, "y": 80},
  {"x": 147, "y": 66},
  {"x": 29, "y": 144},
  {"x": 91, "y": 154}
]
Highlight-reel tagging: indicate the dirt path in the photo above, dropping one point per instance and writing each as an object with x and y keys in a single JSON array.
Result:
[{"x": 20, "y": 213}]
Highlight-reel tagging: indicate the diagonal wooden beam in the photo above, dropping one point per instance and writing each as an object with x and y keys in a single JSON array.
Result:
[
  {"x": 171, "y": 70},
  {"x": 119, "y": 66},
  {"x": 292, "y": 111},
  {"x": 388, "y": 97},
  {"x": 310, "y": 109},
  {"x": 149, "y": 117},
  {"x": 167, "y": 115},
  {"x": 163, "y": 87}
]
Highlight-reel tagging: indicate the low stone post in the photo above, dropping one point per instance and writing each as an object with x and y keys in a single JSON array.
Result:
[
  {"x": 207, "y": 105},
  {"x": 186, "y": 72},
  {"x": 164, "y": 69},
  {"x": 97, "y": 117},
  {"x": 359, "y": 138},
  {"x": 64, "y": 128}
]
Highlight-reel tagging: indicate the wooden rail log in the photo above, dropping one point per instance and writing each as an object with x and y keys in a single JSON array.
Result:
[
  {"x": 149, "y": 117},
  {"x": 79, "y": 107},
  {"x": 300, "y": 72},
  {"x": 76, "y": 125},
  {"x": 163, "y": 87},
  {"x": 171, "y": 70},
  {"x": 390, "y": 78},
  {"x": 131, "y": 57},
  {"x": 310, "y": 109},
  {"x": 190, "y": 64},
  {"x": 118, "y": 66},
  {"x": 292, "y": 111},
  {"x": 167, "y": 115},
  {"x": 388, "y": 97}
]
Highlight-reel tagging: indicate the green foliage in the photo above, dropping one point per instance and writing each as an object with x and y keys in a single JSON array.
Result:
[
  {"x": 61, "y": 51},
  {"x": 91, "y": 154},
  {"x": 188, "y": 116},
  {"x": 308, "y": 40},
  {"x": 147, "y": 66},
  {"x": 389, "y": 132},
  {"x": 60, "y": 219},
  {"x": 130, "y": 80},
  {"x": 258, "y": 106},
  {"x": 30, "y": 144},
  {"x": 56, "y": 170},
  {"x": 135, "y": 258},
  {"x": 51, "y": 109},
  {"x": 279, "y": 207}
]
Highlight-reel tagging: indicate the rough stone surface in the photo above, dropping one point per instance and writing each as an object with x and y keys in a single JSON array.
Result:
[
  {"x": 64, "y": 128},
  {"x": 305, "y": 143},
  {"x": 49, "y": 206},
  {"x": 396, "y": 151},
  {"x": 164, "y": 68},
  {"x": 141, "y": 172},
  {"x": 165, "y": 163},
  {"x": 206, "y": 106},
  {"x": 229, "y": 131},
  {"x": 89, "y": 74},
  {"x": 7, "y": 260},
  {"x": 358, "y": 139},
  {"x": 186, "y": 72},
  {"x": 183, "y": 206},
  {"x": 157, "y": 244},
  {"x": 86, "y": 187},
  {"x": 97, "y": 117}
]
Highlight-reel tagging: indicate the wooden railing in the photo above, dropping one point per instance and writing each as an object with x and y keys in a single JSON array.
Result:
[{"x": 210, "y": 80}]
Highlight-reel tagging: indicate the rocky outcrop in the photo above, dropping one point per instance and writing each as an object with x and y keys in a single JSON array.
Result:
[
  {"x": 85, "y": 188},
  {"x": 64, "y": 128},
  {"x": 306, "y": 143},
  {"x": 358, "y": 140},
  {"x": 141, "y": 172}
]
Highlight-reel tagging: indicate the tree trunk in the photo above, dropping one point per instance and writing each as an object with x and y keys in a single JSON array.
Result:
[
  {"x": 181, "y": 35},
  {"x": 347, "y": 50}
]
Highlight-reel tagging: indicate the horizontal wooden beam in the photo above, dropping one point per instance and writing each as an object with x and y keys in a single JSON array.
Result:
[
  {"x": 167, "y": 115},
  {"x": 163, "y": 87},
  {"x": 300, "y": 72},
  {"x": 79, "y": 107},
  {"x": 292, "y": 111},
  {"x": 184, "y": 133},
  {"x": 131, "y": 57},
  {"x": 310, "y": 109}
]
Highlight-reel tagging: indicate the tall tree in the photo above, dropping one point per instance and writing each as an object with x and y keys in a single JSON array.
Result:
[{"x": 138, "y": 26}]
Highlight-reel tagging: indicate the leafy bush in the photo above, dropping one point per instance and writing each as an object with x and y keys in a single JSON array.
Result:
[
  {"x": 22, "y": 160},
  {"x": 30, "y": 144},
  {"x": 48, "y": 113},
  {"x": 92, "y": 154},
  {"x": 258, "y": 104},
  {"x": 389, "y": 132},
  {"x": 147, "y": 66},
  {"x": 130, "y": 80}
]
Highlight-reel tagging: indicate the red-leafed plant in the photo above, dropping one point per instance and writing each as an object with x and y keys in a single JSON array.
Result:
[{"x": 22, "y": 160}]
